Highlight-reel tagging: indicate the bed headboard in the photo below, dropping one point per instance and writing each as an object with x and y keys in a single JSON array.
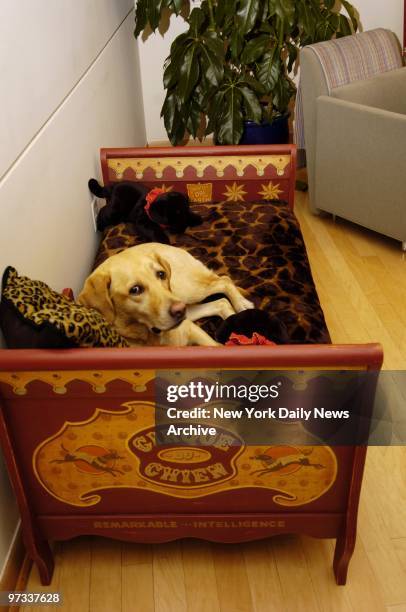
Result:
[{"x": 234, "y": 173}]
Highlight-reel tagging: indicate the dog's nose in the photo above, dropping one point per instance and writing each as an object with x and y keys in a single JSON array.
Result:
[{"x": 178, "y": 310}]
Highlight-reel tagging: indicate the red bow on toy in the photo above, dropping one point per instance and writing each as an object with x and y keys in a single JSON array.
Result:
[
  {"x": 150, "y": 199},
  {"x": 238, "y": 339}
]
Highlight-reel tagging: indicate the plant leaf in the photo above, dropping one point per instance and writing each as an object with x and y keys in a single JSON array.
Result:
[
  {"x": 306, "y": 23},
  {"x": 173, "y": 121},
  {"x": 212, "y": 66},
  {"x": 141, "y": 19},
  {"x": 230, "y": 122},
  {"x": 177, "y": 6},
  {"x": 282, "y": 93},
  {"x": 193, "y": 115},
  {"x": 285, "y": 9},
  {"x": 334, "y": 21},
  {"x": 254, "y": 49},
  {"x": 224, "y": 8},
  {"x": 253, "y": 110},
  {"x": 293, "y": 53},
  {"x": 215, "y": 109},
  {"x": 215, "y": 43},
  {"x": 189, "y": 73},
  {"x": 154, "y": 13},
  {"x": 236, "y": 44},
  {"x": 345, "y": 28},
  {"x": 174, "y": 61},
  {"x": 180, "y": 41},
  {"x": 170, "y": 77},
  {"x": 254, "y": 84},
  {"x": 352, "y": 14},
  {"x": 196, "y": 19},
  {"x": 269, "y": 69},
  {"x": 247, "y": 14}
]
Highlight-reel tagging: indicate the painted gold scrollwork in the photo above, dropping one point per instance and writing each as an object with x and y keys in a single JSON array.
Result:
[
  {"x": 59, "y": 379},
  {"x": 240, "y": 164}
]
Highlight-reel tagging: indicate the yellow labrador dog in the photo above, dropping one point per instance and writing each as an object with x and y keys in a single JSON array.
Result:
[{"x": 151, "y": 293}]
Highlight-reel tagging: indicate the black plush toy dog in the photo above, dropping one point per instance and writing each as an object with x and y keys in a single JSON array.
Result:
[
  {"x": 153, "y": 212},
  {"x": 249, "y": 322}
]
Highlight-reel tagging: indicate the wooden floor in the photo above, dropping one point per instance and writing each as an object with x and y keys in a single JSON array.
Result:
[{"x": 361, "y": 280}]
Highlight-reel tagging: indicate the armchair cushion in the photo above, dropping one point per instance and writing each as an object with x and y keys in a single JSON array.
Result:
[
  {"x": 386, "y": 91},
  {"x": 360, "y": 162},
  {"x": 327, "y": 68}
]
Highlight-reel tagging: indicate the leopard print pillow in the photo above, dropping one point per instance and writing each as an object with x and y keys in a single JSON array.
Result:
[{"x": 42, "y": 308}]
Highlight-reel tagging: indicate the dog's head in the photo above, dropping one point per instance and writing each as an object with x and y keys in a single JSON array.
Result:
[
  {"x": 171, "y": 209},
  {"x": 132, "y": 291}
]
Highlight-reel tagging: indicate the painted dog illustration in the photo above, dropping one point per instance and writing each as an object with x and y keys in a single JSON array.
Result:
[
  {"x": 274, "y": 464},
  {"x": 99, "y": 463}
]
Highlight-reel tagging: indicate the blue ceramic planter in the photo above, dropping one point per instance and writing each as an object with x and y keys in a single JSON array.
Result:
[{"x": 276, "y": 132}]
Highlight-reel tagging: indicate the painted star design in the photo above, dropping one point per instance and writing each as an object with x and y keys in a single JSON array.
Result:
[
  {"x": 270, "y": 191},
  {"x": 166, "y": 188},
  {"x": 234, "y": 193}
]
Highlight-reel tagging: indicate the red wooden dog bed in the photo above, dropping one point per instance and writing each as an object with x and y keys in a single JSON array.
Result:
[{"x": 76, "y": 425}]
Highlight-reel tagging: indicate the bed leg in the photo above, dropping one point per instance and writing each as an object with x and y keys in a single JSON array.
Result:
[
  {"x": 344, "y": 549},
  {"x": 404, "y": 246},
  {"x": 40, "y": 552}
]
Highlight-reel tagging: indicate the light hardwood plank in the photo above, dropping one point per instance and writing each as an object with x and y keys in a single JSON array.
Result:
[
  {"x": 232, "y": 580},
  {"x": 364, "y": 588},
  {"x": 137, "y": 579},
  {"x": 74, "y": 581},
  {"x": 137, "y": 583},
  {"x": 380, "y": 548},
  {"x": 200, "y": 577},
  {"x": 319, "y": 556},
  {"x": 169, "y": 578},
  {"x": 136, "y": 554},
  {"x": 34, "y": 583},
  {"x": 388, "y": 465},
  {"x": 400, "y": 547},
  {"x": 297, "y": 586},
  {"x": 105, "y": 576},
  {"x": 263, "y": 578}
]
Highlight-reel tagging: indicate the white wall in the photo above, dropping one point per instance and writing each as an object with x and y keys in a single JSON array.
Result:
[
  {"x": 153, "y": 52},
  {"x": 374, "y": 14},
  {"x": 70, "y": 83},
  {"x": 377, "y": 14}
]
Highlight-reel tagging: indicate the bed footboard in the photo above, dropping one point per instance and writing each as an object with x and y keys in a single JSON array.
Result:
[{"x": 77, "y": 428}]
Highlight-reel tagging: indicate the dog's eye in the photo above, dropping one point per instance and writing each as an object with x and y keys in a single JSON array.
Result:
[
  {"x": 136, "y": 290},
  {"x": 161, "y": 274}
]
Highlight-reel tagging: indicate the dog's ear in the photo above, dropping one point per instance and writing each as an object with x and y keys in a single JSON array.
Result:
[
  {"x": 166, "y": 266},
  {"x": 95, "y": 294}
]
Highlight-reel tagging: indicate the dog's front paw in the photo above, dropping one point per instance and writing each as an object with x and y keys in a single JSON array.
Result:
[{"x": 245, "y": 304}]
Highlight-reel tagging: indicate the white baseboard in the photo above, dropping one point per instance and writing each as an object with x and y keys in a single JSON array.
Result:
[{"x": 16, "y": 566}]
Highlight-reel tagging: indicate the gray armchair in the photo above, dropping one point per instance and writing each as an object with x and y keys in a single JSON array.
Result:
[{"x": 354, "y": 109}]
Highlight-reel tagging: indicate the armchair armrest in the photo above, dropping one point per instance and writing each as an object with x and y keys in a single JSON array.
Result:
[
  {"x": 361, "y": 164},
  {"x": 386, "y": 91}
]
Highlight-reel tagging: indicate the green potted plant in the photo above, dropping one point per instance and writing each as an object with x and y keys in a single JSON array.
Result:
[{"x": 235, "y": 62}]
